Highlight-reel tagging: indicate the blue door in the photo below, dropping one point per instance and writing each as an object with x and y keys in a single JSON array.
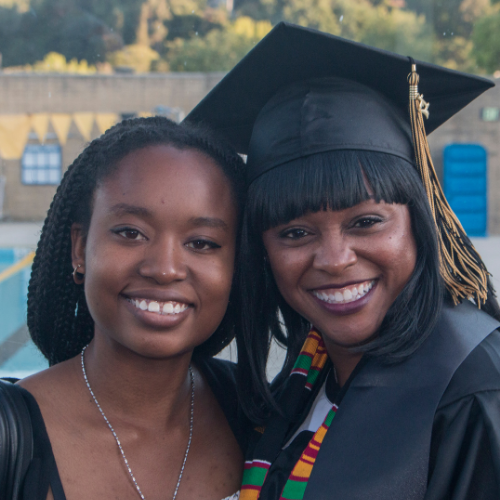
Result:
[{"x": 465, "y": 185}]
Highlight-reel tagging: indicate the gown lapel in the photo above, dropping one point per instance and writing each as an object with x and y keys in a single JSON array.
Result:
[{"x": 381, "y": 435}]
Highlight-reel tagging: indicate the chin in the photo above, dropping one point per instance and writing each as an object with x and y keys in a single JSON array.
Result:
[{"x": 352, "y": 335}]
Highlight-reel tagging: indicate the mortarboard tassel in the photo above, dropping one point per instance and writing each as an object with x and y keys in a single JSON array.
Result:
[{"x": 462, "y": 269}]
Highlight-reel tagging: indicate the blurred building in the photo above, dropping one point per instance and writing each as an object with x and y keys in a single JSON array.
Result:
[
  {"x": 466, "y": 154},
  {"x": 46, "y": 120}
]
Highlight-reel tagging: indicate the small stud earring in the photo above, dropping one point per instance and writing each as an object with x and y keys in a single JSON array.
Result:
[{"x": 78, "y": 277}]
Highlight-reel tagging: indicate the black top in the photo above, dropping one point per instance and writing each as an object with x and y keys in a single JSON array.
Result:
[
  {"x": 465, "y": 448},
  {"x": 43, "y": 472}
]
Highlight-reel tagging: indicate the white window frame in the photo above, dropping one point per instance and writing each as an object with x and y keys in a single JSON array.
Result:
[{"x": 41, "y": 165}]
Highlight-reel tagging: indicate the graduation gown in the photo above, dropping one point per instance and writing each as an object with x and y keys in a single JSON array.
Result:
[{"x": 425, "y": 429}]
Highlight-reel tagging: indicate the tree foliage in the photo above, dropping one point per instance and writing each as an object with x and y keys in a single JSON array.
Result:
[
  {"x": 219, "y": 50},
  {"x": 486, "y": 42},
  {"x": 200, "y": 35},
  {"x": 57, "y": 63}
]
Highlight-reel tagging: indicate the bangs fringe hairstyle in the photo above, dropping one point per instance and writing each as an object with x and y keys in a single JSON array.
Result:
[
  {"x": 58, "y": 318},
  {"x": 334, "y": 180}
]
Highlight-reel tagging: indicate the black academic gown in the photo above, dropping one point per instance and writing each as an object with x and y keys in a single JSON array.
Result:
[{"x": 425, "y": 429}]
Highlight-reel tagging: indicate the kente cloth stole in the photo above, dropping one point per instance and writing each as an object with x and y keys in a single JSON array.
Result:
[{"x": 305, "y": 373}]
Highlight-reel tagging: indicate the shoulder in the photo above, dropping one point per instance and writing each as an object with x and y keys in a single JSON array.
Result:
[
  {"x": 18, "y": 403},
  {"x": 54, "y": 387},
  {"x": 221, "y": 377},
  {"x": 218, "y": 371},
  {"x": 466, "y": 431},
  {"x": 13, "y": 397},
  {"x": 479, "y": 372},
  {"x": 16, "y": 436}
]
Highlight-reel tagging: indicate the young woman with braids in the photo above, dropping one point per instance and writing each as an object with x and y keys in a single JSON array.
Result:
[
  {"x": 128, "y": 300},
  {"x": 354, "y": 261}
]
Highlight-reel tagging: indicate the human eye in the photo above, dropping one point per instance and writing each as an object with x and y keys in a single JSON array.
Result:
[
  {"x": 202, "y": 244},
  {"x": 367, "y": 222},
  {"x": 129, "y": 233},
  {"x": 295, "y": 233}
]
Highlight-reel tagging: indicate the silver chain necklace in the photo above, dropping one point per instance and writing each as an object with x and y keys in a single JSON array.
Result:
[{"x": 191, "y": 421}]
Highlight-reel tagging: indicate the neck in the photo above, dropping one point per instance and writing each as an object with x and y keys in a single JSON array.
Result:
[
  {"x": 137, "y": 387},
  {"x": 343, "y": 360}
]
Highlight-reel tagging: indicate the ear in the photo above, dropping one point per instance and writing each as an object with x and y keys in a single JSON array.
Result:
[{"x": 78, "y": 240}]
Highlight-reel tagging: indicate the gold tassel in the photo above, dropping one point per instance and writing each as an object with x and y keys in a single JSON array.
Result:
[{"x": 462, "y": 269}]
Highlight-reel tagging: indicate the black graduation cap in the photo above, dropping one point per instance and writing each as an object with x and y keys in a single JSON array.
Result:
[
  {"x": 375, "y": 79},
  {"x": 299, "y": 92}
]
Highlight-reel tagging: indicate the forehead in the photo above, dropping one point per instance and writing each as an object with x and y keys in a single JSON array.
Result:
[
  {"x": 164, "y": 176},
  {"x": 362, "y": 208}
]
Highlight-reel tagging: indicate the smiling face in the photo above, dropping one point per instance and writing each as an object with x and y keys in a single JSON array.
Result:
[
  {"x": 342, "y": 270},
  {"x": 159, "y": 253}
]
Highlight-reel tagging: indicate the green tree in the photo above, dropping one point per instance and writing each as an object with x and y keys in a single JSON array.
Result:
[
  {"x": 57, "y": 63},
  {"x": 137, "y": 56},
  {"x": 384, "y": 24},
  {"x": 54, "y": 26},
  {"x": 387, "y": 27},
  {"x": 219, "y": 50},
  {"x": 437, "y": 31},
  {"x": 486, "y": 40},
  {"x": 198, "y": 35}
]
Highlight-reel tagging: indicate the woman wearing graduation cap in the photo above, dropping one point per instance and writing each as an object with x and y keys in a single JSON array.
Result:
[{"x": 395, "y": 391}]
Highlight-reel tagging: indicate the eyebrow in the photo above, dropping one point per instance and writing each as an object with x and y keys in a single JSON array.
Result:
[
  {"x": 125, "y": 208},
  {"x": 208, "y": 222}
]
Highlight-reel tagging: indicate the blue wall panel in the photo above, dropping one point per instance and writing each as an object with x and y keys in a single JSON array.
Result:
[{"x": 465, "y": 185}]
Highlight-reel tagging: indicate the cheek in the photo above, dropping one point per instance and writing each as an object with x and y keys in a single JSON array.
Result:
[
  {"x": 103, "y": 280},
  {"x": 287, "y": 268},
  {"x": 215, "y": 278},
  {"x": 214, "y": 289},
  {"x": 401, "y": 259}
]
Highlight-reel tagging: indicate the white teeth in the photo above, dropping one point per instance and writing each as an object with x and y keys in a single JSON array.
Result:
[
  {"x": 347, "y": 294},
  {"x": 154, "y": 307},
  {"x": 170, "y": 307}
]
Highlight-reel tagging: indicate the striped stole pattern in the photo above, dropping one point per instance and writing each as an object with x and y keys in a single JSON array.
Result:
[
  {"x": 296, "y": 485},
  {"x": 311, "y": 359},
  {"x": 254, "y": 475},
  {"x": 310, "y": 362}
]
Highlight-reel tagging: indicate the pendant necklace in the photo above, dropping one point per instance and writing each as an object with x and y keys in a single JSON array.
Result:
[{"x": 191, "y": 421}]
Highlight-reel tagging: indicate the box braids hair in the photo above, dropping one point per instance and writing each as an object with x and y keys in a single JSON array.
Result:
[{"x": 58, "y": 318}]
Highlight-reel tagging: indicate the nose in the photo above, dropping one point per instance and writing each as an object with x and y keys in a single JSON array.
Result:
[
  {"x": 334, "y": 254},
  {"x": 164, "y": 262}
]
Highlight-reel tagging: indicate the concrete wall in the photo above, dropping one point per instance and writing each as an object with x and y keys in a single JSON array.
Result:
[
  {"x": 52, "y": 93},
  {"x": 467, "y": 127},
  {"x": 38, "y": 93}
]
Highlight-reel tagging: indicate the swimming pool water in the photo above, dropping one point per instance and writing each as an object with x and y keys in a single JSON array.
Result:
[{"x": 13, "y": 298}]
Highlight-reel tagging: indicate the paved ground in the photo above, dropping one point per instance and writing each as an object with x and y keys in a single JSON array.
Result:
[
  {"x": 489, "y": 249},
  {"x": 26, "y": 235},
  {"x": 15, "y": 234}
]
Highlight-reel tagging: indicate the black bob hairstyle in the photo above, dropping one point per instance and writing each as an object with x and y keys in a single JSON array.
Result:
[
  {"x": 333, "y": 180},
  {"x": 58, "y": 318}
]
